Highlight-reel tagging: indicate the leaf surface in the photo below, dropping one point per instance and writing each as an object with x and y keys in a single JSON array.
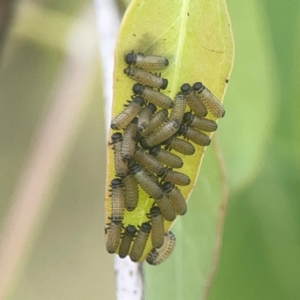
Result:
[{"x": 196, "y": 38}]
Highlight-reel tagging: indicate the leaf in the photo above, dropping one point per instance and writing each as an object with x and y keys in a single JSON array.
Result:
[
  {"x": 251, "y": 108},
  {"x": 190, "y": 268},
  {"x": 196, "y": 38}
]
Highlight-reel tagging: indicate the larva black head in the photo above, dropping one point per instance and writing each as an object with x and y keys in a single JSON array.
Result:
[
  {"x": 116, "y": 182},
  {"x": 198, "y": 87},
  {"x": 167, "y": 141},
  {"x": 134, "y": 120},
  {"x": 138, "y": 89},
  {"x": 162, "y": 172},
  {"x": 131, "y": 162},
  {"x": 135, "y": 168},
  {"x": 127, "y": 71},
  {"x": 130, "y": 58},
  {"x": 187, "y": 117},
  {"x": 166, "y": 62},
  {"x": 139, "y": 100},
  {"x": 144, "y": 144},
  {"x": 130, "y": 230},
  {"x": 183, "y": 129},
  {"x": 155, "y": 211},
  {"x": 152, "y": 107},
  {"x": 167, "y": 186},
  {"x": 165, "y": 84},
  {"x": 116, "y": 137},
  {"x": 185, "y": 88},
  {"x": 116, "y": 222},
  {"x": 165, "y": 112},
  {"x": 146, "y": 227},
  {"x": 155, "y": 150},
  {"x": 175, "y": 123}
]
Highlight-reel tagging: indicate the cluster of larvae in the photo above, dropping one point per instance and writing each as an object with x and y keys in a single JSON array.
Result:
[{"x": 150, "y": 126}]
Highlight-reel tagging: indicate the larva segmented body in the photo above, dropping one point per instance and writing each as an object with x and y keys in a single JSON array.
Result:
[
  {"x": 157, "y": 256},
  {"x": 117, "y": 200},
  {"x": 147, "y": 62},
  {"x": 129, "y": 140},
  {"x": 200, "y": 123},
  {"x": 179, "y": 145},
  {"x": 145, "y": 181},
  {"x": 149, "y": 161},
  {"x": 144, "y": 117},
  {"x": 140, "y": 241},
  {"x": 158, "y": 229},
  {"x": 194, "y": 135},
  {"x": 157, "y": 120},
  {"x": 210, "y": 101},
  {"x": 153, "y": 96},
  {"x": 193, "y": 101},
  {"x": 166, "y": 157},
  {"x": 121, "y": 167},
  {"x": 113, "y": 236},
  {"x": 166, "y": 208},
  {"x": 179, "y": 107},
  {"x": 146, "y": 78},
  {"x": 127, "y": 238},
  {"x": 126, "y": 116},
  {"x": 164, "y": 132},
  {"x": 176, "y": 177},
  {"x": 176, "y": 198},
  {"x": 131, "y": 192}
]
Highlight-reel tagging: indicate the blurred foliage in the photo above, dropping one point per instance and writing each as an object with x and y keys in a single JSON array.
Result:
[{"x": 260, "y": 140}]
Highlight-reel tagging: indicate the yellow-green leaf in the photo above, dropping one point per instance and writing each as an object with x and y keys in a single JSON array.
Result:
[{"x": 196, "y": 38}]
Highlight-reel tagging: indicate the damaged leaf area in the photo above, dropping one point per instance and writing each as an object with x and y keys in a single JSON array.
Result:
[{"x": 195, "y": 36}]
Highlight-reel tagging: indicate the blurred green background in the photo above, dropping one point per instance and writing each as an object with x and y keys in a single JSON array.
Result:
[{"x": 259, "y": 138}]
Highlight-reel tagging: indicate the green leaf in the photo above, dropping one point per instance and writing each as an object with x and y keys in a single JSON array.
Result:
[
  {"x": 246, "y": 131},
  {"x": 189, "y": 271},
  {"x": 196, "y": 38}
]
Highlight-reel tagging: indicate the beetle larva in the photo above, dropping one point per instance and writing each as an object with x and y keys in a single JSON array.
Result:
[
  {"x": 158, "y": 119},
  {"x": 166, "y": 157},
  {"x": 213, "y": 105},
  {"x": 127, "y": 238},
  {"x": 200, "y": 123},
  {"x": 131, "y": 192},
  {"x": 147, "y": 78},
  {"x": 117, "y": 200},
  {"x": 176, "y": 177},
  {"x": 193, "y": 101},
  {"x": 176, "y": 198},
  {"x": 194, "y": 135},
  {"x": 157, "y": 256},
  {"x": 113, "y": 236},
  {"x": 158, "y": 228},
  {"x": 166, "y": 208},
  {"x": 153, "y": 96},
  {"x": 144, "y": 117},
  {"x": 161, "y": 134},
  {"x": 129, "y": 140},
  {"x": 149, "y": 161},
  {"x": 140, "y": 241},
  {"x": 126, "y": 116},
  {"x": 179, "y": 145},
  {"x": 178, "y": 110},
  {"x": 121, "y": 167},
  {"x": 147, "y": 62},
  {"x": 145, "y": 181}
]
